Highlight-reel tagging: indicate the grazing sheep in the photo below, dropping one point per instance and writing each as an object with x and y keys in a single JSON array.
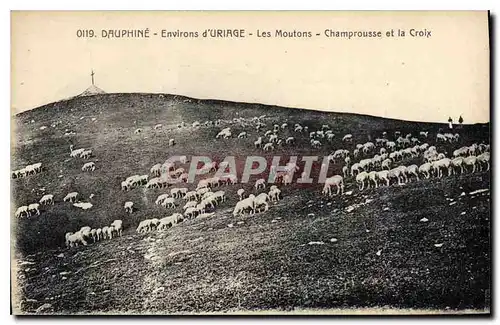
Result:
[
  {"x": 360, "y": 179},
  {"x": 22, "y": 210},
  {"x": 47, "y": 199},
  {"x": 245, "y": 204},
  {"x": 383, "y": 175},
  {"x": 345, "y": 171},
  {"x": 347, "y": 138},
  {"x": 93, "y": 234},
  {"x": 166, "y": 222},
  {"x": 90, "y": 166},
  {"x": 412, "y": 170},
  {"x": 171, "y": 142},
  {"x": 83, "y": 205},
  {"x": 144, "y": 226},
  {"x": 335, "y": 180},
  {"x": 178, "y": 192},
  {"x": 86, "y": 154},
  {"x": 191, "y": 196},
  {"x": 241, "y": 193},
  {"x": 258, "y": 143},
  {"x": 425, "y": 169},
  {"x": 104, "y": 232},
  {"x": 76, "y": 152},
  {"x": 71, "y": 197},
  {"x": 261, "y": 201},
  {"x": 471, "y": 161},
  {"x": 190, "y": 204},
  {"x": 398, "y": 174},
  {"x": 161, "y": 198},
  {"x": 111, "y": 230},
  {"x": 98, "y": 234},
  {"x": 242, "y": 135},
  {"x": 156, "y": 169},
  {"x": 484, "y": 159},
  {"x": 129, "y": 206},
  {"x": 274, "y": 194},
  {"x": 268, "y": 146},
  {"x": 260, "y": 183},
  {"x": 441, "y": 164},
  {"x": 290, "y": 140},
  {"x": 117, "y": 226},
  {"x": 457, "y": 162},
  {"x": 73, "y": 240},
  {"x": 169, "y": 202},
  {"x": 355, "y": 169}
]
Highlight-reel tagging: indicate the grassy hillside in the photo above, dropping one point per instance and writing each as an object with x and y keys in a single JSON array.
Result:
[{"x": 258, "y": 262}]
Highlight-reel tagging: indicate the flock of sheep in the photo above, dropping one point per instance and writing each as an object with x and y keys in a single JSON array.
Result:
[
  {"x": 87, "y": 234},
  {"x": 370, "y": 163}
]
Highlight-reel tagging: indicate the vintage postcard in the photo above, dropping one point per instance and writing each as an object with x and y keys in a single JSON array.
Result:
[{"x": 316, "y": 162}]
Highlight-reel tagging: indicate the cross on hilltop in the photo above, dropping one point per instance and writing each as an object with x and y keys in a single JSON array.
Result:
[{"x": 92, "y": 75}]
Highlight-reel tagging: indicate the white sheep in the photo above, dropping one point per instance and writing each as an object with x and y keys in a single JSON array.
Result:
[
  {"x": 171, "y": 142},
  {"x": 260, "y": 183},
  {"x": 274, "y": 194},
  {"x": 190, "y": 204},
  {"x": 241, "y": 193},
  {"x": 191, "y": 212},
  {"x": 471, "y": 161},
  {"x": 335, "y": 180},
  {"x": 484, "y": 159},
  {"x": 178, "y": 192},
  {"x": 111, "y": 230},
  {"x": 258, "y": 143},
  {"x": 425, "y": 169},
  {"x": 22, "y": 210},
  {"x": 169, "y": 202},
  {"x": 98, "y": 234},
  {"x": 191, "y": 196},
  {"x": 118, "y": 226},
  {"x": 261, "y": 201},
  {"x": 361, "y": 178},
  {"x": 71, "y": 197},
  {"x": 242, "y": 135},
  {"x": 129, "y": 206},
  {"x": 347, "y": 138},
  {"x": 144, "y": 226},
  {"x": 104, "y": 232},
  {"x": 90, "y": 166},
  {"x": 245, "y": 204},
  {"x": 441, "y": 164},
  {"x": 268, "y": 146},
  {"x": 161, "y": 198},
  {"x": 47, "y": 199},
  {"x": 86, "y": 154},
  {"x": 83, "y": 205},
  {"x": 76, "y": 152}
]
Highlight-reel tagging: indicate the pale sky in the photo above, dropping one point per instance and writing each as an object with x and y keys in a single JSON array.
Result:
[{"x": 421, "y": 79}]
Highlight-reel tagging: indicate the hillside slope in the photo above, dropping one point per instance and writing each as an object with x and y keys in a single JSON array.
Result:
[{"x": 225, "y": 263}]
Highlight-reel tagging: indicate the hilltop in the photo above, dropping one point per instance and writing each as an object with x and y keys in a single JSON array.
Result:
[{"x": 259, "y": 262}]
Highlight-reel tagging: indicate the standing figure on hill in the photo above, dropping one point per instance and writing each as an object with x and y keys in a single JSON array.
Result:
[
  {"x": 460, "y": 120},
  {"x": 450, "y": 123}
]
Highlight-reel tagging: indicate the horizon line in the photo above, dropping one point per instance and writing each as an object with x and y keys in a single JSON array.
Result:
[{"x": 232, "y": 101}]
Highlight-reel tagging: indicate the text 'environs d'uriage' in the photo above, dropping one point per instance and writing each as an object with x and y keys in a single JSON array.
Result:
[{"x": 214, "y": 33}]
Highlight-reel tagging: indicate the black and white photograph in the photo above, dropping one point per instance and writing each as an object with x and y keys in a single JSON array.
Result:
[{"x": 249, "y": 163}]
